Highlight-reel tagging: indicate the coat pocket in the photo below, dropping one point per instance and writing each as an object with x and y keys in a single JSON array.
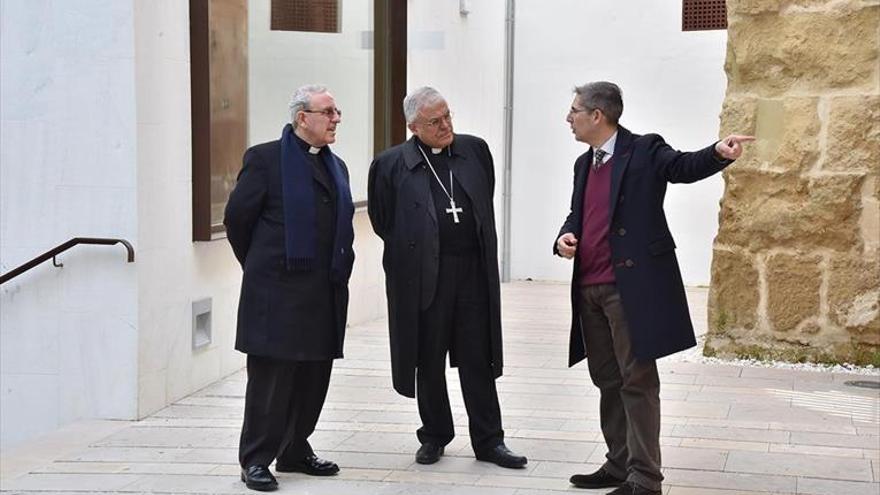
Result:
[{"x": 661, "y": 246}]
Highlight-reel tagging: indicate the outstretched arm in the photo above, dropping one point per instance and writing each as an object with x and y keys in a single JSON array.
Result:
[{"x": 686, "y": 167}]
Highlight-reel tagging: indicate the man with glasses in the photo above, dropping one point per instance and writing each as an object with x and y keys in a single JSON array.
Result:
[
  {"x": 430, "y": 200},
  {"x": 289, "y": 221},
  {"x": 628, "y": 300}
]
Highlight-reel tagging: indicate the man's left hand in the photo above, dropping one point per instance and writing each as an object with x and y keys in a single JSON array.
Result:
[{"x": 730, "y": 148}]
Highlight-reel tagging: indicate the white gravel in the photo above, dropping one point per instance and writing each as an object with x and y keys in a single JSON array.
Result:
[{"x": 695, "y": 355}]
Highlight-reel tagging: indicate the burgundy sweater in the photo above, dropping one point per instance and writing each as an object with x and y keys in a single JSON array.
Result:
[{"x": 594, "y": 250}]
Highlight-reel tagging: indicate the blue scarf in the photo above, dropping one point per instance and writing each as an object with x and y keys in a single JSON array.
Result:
[{"x": 298, "y": 197}]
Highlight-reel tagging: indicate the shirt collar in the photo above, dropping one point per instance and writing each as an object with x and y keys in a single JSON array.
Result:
[{"x": 608, "y": 146}]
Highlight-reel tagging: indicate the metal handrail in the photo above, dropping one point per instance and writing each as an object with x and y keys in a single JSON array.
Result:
[{"x": 52, "y": 253}]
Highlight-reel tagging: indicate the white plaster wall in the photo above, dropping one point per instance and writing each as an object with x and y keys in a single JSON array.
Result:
[
  {"x": 673, "y": 83},
  {"x": 462, "y": 56},
  {"x": 68, "y": 336},
  {"x": 280, "y": 62},
  {"x": 173, "y": 271}
]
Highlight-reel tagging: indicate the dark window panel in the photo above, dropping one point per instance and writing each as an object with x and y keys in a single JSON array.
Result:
[
  {"x": 389, "y": 73},
  {"x": 321, "y": 16},
  {"x": 218, "y": 55}
]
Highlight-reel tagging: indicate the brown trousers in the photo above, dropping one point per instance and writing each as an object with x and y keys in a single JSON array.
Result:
[{"x": 629, "y": 404}]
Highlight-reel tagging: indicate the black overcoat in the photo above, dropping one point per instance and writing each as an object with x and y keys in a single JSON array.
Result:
[
  {"x": 642, "y": 249},
  {"x": 283, "y": 314},
  {"x": 402, "y": 212}
]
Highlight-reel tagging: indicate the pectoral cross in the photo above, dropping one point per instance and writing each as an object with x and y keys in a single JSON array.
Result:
[{"x": 453, "y": 210}]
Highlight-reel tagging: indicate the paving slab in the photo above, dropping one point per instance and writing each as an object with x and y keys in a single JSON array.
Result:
[
  {"x": 719, "y": 480},
  {"x": 682, "y": 490},
  {"x": 837, "y": 468},
  {"x": 816, "y": 486}
]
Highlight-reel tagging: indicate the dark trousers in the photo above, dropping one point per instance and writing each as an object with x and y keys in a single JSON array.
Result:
[
  {"x": 458, "y": 322},
  {"x": 281, "y": 408},
  {"x": 629, "y": 404}
]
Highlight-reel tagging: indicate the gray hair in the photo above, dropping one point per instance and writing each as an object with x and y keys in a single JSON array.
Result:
[
  {"x": 604, "y": 96},
  {"x": 301, "y": 99},
  {"x": 417, "y": 99}
]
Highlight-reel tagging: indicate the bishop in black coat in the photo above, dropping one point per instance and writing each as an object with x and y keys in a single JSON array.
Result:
[
  {"x": 430, "y": 200},
  {"x": 405, "y": 216}
]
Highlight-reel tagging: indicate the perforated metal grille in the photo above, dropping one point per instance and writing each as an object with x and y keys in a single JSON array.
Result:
[
  {"x": 703, "y": 15},
  {"x": 306, "y": 15}
]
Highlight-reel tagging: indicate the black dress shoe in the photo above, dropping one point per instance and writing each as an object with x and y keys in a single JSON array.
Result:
[
  {"x": 503, "y": 457},
  {"x": 630, "y": 488},
  {"x": 429, "y": 453},
  {"x": 259, "y": 478},
  {"x": 599, "y": 479},
  {"x": 310, "y": 464}
]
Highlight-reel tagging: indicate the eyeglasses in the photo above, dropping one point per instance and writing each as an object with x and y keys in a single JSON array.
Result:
[
  {"x": 327, "y": 112},
  {"x": 573, "y": 110},
  {"x": 447, "y": 117}
]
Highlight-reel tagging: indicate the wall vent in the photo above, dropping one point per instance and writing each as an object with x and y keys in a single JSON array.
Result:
[
  {"x": 201, "y": 324},
  {"x": 703, "y": 15}
]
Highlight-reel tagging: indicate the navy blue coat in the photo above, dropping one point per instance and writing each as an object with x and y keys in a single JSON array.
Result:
[
  {"x": 295, "y": 316},
  {"x": 642, "y": 249}
]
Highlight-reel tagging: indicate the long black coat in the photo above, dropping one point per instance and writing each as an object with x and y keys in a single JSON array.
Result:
[
  {"x": 642, "y": 249},
  {"x": 289, "y": 315},
  {"x": 402, "y": 212}
]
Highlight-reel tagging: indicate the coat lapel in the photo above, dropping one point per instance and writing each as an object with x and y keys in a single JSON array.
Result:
[
  {"x": 621, "y": 157},
  {"x": 417, "y": 167},
  {"x": 467, "y": 173},
  {"x": 581, "y": 187}
]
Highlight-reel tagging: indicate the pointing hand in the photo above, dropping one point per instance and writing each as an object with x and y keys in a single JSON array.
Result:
[{"x": 730, "y": 148}]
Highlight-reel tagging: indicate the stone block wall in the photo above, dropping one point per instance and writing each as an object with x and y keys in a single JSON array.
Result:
[{"x": 796, "y": 263}]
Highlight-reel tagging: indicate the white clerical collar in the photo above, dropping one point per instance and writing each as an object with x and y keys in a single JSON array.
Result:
[
  {"x": 434, "y": 151},
  {"x": 608, "y": 147},
  {"x": 313, "y": 150}
]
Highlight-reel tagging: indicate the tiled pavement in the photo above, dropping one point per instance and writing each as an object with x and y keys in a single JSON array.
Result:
[{"x": 727, "y": 429}]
